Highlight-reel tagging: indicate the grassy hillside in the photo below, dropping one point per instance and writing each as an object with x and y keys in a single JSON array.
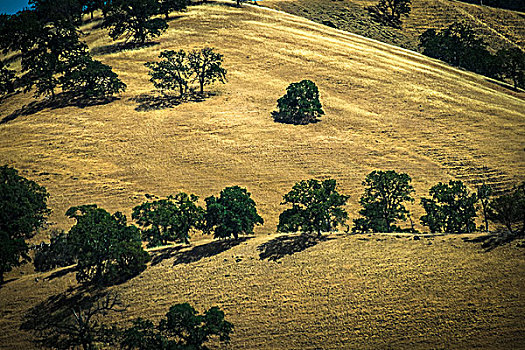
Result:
[
  {"x": 349, "y": 292},
  {"x": 386, "y": 108},
  {"x": 499, "y": 28}
]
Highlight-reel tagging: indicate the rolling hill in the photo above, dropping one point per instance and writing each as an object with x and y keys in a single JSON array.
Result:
[
  {"x": 499, "y": 28},
  {"x": 386, "y": 108}
]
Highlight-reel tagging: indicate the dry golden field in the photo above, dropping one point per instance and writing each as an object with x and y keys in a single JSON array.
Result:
[
  {"x": 349, "y": 292},
  {"x": 386, "y": 108}
]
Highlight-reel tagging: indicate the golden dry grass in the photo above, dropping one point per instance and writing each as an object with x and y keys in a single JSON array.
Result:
[
  {"x": 350, "y": 292},
  {"x": 386, "y": 108}
]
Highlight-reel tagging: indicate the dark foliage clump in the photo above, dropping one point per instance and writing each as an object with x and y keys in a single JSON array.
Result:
[
  {"x": 451, "y": 209},
  {"x": 300, "y": 105},
  {"x": 23, "y": 210},
  {"x": 316, "y": 207},
  {"x": 231, "y": 214},
  {"x": 57, "y": 253},
  {"x": 383, "y": 201},
  {"x": 106, "y": 248},
  {"x": 181, "y": 328}
]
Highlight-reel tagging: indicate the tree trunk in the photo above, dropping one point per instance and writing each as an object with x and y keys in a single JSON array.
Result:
[{"x": 201, "y": 83}]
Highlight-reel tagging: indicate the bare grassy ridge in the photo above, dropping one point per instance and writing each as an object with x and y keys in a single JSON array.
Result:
[{"x": 349, "y": 292}]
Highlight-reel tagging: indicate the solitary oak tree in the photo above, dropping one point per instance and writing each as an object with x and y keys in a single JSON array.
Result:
[
  {"x": 300, "y": 104},
  {"x": 390, "y": 11}
]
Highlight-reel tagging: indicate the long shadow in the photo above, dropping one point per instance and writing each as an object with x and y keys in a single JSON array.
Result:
[
  {"x": 118, "y": 47},
  {"x": 279, "y": 247},
  {"x": 503, "y": 84},
  {"x": 48, "y": 320},
  {"x": 162, "y": 254},
  {"x": 60, "y": 273},
  {"x": 61, "y": 100},
  {"x": 58, "y": 307},
  {"x": 492, "y": 241},
  {"x": 197, "y": 253},
  {"x": 150, "y": 102}
]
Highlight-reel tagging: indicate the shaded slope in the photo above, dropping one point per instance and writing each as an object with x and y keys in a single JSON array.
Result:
[{"x": 499, "y": 28}]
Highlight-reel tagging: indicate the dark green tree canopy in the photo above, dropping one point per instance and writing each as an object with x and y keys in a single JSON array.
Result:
[
  {"x": 169, "y": 219},
  {"x": 57, "y": 253},
  {"x": 390, "y": 11},
  {"x": 459, "y": 45},
  {"x": 316, "y": 207},
  {"x": 383, "y": 201},
  {"x": 513, "y": 65},
  {"x": 182, "y": 328},
  {"x": 300, "y": 105},
  {"x": 206, "y": 65},
  {"x": 231, "y": 214},
  {"x": 509, "y": 210},
  {"x": 171, "y": 72},
  {"x": 106, "y": 248},
  {"x": 166, "y": 6},
  {"x": 23, "y": 210},
  {"x": 88, "y": 78},
  {"x": 7, "y": 79},
  {"x": 134, "y": 19},
  {"x": 52, "y": 57},
  {"x": 451, "y": 208}
]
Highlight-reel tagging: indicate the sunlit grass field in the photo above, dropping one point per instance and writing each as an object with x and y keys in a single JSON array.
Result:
[{"x": 385, "y": 108}]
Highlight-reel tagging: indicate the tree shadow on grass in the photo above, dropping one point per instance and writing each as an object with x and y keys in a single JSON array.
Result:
[
  {"x": 60, "y": 273},
  {"x": 152, "y": 102},
  {"x": 61, "y": 100},
  {"x": 492, "y": 241},
  {"x": 279, "y": 247},
  {"x": 183, "y": 256},
  {"x": 51, "y": 318},
  {"x": 118, "y": 47},
  {"x": 58, "y": 307}
]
